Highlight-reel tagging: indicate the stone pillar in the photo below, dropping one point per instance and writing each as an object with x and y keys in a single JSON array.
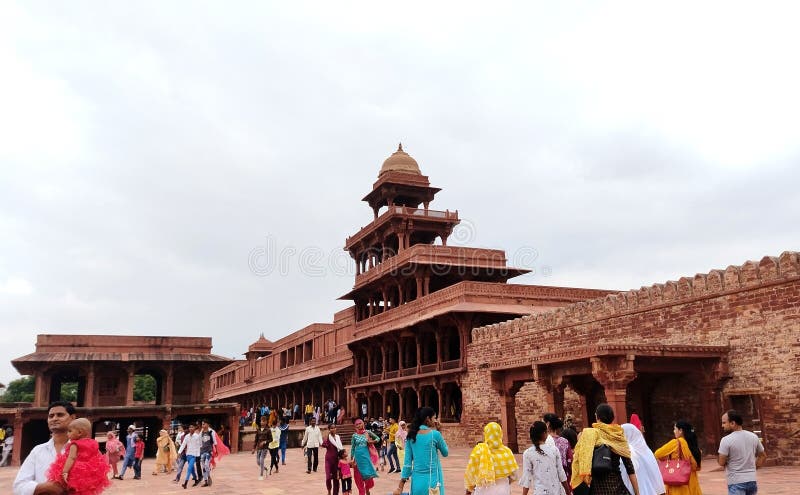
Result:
[
  {"x": 400, "y": 359},
  {"x": 383, "y": 361},
  {"x": 438, "y": 353},
  {"x": 508, "y": 415},
  {"x": 16, "y": 451},
  {"x": 614, "y": 373},
  {"x": 427, "y": 285},
  {"x": 39, "y": 394},
  {"x": 419, "y": 286},
  {"x": 88, "y": 394},
  {"x": 419, "y": 352},
  {"x": 129, "y": 392},
  {"x": 169, "y": 380}
]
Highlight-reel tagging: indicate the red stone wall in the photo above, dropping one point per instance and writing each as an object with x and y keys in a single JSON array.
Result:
[{"x": 755, "y": 309}]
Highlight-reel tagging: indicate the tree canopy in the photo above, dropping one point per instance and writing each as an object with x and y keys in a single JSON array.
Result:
[{"x": 19, "y": 390}]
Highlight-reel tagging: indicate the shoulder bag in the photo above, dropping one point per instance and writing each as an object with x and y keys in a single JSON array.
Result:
[{"x": 676, "y": 472}]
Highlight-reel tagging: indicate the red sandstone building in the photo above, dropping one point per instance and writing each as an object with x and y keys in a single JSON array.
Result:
[
  {"x": 404, "y": 341},
  {"x": 104, "y": 368},
  {"x": 440, "y": 326}
]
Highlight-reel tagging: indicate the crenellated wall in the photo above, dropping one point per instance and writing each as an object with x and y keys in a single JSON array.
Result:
[{"x": 754, "y": 309}]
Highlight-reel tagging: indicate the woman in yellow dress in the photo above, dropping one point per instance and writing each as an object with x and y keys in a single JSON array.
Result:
[
  {"x": 686, "y": 441},
  {"x": 166, "y": 455}
]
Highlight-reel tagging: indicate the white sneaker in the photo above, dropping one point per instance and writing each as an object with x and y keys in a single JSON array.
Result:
[{"x": 260, "y": 478}]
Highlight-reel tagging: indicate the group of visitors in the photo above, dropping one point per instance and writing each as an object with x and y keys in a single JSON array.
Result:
[
  {"x": 328, "y": 412},
  {"x": 6, "y": 444},
  {"x": 604, "y": 459},
  {"x": 72, "y": 462}
]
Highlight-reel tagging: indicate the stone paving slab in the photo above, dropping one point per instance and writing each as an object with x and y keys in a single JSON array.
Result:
[{"x": 238, "y": 474}]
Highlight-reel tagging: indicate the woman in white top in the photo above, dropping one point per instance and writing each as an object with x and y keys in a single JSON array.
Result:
[
  {"x": 542, "y": 471},
  {"x": 644, "y": 463}
]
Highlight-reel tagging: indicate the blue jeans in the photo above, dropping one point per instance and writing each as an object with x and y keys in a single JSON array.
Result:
[
  {"x": 746, "y": 488},
  {"x": 261, "y": 454},
  {"x": 394, "y": 461},
  {"x": 129, "y": 461},
  {"x": 205, "y": 458},
  {"x": 190, "y": 468}
]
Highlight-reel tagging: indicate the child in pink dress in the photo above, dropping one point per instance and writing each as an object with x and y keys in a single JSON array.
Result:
[
  {"x": 344, "y": 473},
  {"x": 81, "y": 468}
]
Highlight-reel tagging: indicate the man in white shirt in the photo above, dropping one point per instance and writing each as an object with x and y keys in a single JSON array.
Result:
[
  {"x": 312, "y": 439},
  {"x": 32, "y": 476},
  {"x": 191, "y": 444}
]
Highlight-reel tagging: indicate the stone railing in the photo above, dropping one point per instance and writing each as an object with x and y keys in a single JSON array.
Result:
[
  {"x": 437, "y": 215},
  {"x": 455, "y": 256}
]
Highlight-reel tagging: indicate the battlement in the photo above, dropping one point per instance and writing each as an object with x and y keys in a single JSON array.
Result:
[{"x": 769, "y": 270}]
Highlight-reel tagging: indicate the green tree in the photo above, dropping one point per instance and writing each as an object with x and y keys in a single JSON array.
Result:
[
  {"x": 144, "y": 388},
  {"x": 19, "y": 390},
  {"x": 69, "y": 391}
]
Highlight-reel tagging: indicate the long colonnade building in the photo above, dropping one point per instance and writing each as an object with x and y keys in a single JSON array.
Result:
[{"x": 415, "y": 301}]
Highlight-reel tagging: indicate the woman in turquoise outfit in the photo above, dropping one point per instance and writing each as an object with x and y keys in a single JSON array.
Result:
[
  {"x": 364, "y": 474},
  {"x": 422, "y": 459}
]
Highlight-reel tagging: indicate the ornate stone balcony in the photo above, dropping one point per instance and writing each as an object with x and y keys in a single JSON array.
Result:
[{"x": 438, "y": 216}]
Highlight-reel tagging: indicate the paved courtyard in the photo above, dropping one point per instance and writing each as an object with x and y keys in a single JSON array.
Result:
[{"x": 238, "y": 474}]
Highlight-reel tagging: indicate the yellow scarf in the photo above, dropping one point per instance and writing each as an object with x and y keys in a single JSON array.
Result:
[
  {"x": 599, "y": 433},
  {"x": 490, "y": 460}
]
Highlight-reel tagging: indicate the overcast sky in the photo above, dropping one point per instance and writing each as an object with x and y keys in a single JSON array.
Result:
[{"x": 152, "y": 152}]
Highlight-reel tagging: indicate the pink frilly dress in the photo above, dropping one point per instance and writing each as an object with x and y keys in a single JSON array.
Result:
[{"x": 89, "y": 473}]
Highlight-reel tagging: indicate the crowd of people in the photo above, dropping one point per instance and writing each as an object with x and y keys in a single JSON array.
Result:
[
  {"x": 325, "y": 413},
  {"x": 73, "y": 462},
  {"x": 606, "y": 458}
]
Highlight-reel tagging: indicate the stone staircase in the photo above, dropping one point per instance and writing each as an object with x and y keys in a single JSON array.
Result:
[{"x": 345, "y": 432}]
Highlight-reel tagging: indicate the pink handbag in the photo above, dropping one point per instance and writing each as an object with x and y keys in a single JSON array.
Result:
[{"x": 676, "y": 472}]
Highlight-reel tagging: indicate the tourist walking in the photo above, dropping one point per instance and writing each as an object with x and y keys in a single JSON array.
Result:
[
  {"x": 610, "y": 438},
  {"x": 391, "y": 447},
  {"x": 741, "y": 453},
  {"x": 542, "y": 469},
  {"x": 114, "y": 452},
  {"x": 130, "y": 451},
  {"x": 684, "y": 446},
  {"x": 345, "y": 473},
  {"x": 138, "y": 457},
  {"x": 491, "y": 465},
  {"x": 400, "y": 443},
  {"x": 644, "y": 463},
  {"x": 208, "y": 438},
  {"x": 424, "y": 444},
  {"x": 554, "y": 428},
  {"x": 333, "y": 445},
  {"x": 364, "y": 473},
  {"x": 312, "y": 439},
  {"x": 274, "y": 444},
  {"x": 261, "y": 445},
  {"x": 191, "y": 446},
  {"x": 284, "y": 439},
  {"x": 166, "y": 455}
]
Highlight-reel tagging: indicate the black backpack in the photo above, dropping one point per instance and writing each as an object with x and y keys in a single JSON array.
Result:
[{"x": 601, "y": 461}]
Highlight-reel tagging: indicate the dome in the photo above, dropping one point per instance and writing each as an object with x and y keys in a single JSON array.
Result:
[{"x": 400, "y": 161}]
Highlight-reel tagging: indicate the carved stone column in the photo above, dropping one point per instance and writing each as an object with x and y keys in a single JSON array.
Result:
[
  {"x": 88, "y": 394},
  {"x": 614, "y": 373},
  {"x": 129, "y": 392},
  {"x": 712, "y": 378}
]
